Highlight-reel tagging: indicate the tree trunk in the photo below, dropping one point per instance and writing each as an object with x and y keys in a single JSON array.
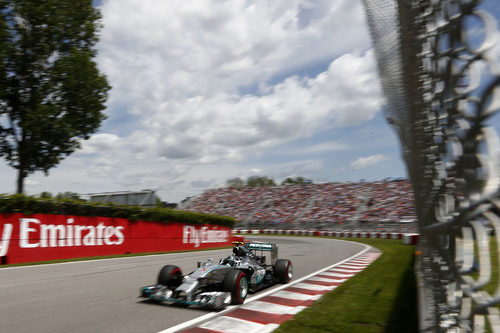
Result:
[{"x": 20, "y": 180}]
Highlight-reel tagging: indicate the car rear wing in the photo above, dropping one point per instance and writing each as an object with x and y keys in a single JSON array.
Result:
[{"x": 268, "y": 247}]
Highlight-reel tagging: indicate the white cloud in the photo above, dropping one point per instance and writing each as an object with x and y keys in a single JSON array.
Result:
[
  {"x": 364, "y": 162},
  {"x": 100, "y": 143},
  {"x": 339, "y": 169},
  {"x": 225, "y": 127},
  {"x": 30, "y": 182},
  {"x": 183, "y": 68},
  {"x": 166, "y": 48},
  {"x": 202, "y": 88},
  {"x": 181, "y": 73},
  {"x": 308, "y": 168},
  {"x": 319, "y": 148}
]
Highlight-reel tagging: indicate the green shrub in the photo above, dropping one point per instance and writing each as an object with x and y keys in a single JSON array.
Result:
[{"x": 19, "y": 203}]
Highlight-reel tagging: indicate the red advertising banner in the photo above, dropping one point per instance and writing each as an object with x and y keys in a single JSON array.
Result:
[{"x": 40, "y": 237}]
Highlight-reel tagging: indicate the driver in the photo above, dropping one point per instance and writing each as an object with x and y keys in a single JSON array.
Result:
[
  {"x": 239, "y": 251},
  {"x": 242, "y": 251}
]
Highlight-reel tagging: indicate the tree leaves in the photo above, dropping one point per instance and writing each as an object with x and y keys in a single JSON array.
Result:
[{"x": 51, "y": 92}]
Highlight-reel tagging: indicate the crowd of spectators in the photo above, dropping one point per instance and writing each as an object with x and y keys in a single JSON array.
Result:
[
  {"x": 388, "y": 201},
  {"x": 285, "y": 205},
  {"x": 335, "y": 202},
  {"x": 236, "y": 202}
]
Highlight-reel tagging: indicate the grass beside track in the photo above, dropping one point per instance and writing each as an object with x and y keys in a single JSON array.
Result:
[{"x": 381, "y": 298}]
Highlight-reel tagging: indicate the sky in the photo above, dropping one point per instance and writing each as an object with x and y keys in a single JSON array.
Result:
[{"x": 204, "y": 91}]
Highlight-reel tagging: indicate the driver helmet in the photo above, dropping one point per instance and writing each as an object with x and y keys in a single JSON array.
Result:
[{"x": 240, "y": 251}]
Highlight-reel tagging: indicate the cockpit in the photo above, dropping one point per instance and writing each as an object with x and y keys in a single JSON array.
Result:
[{"x": 242, "y": 251}]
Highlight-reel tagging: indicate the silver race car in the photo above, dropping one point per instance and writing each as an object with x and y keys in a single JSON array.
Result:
[{"x": 218, "y": 284}]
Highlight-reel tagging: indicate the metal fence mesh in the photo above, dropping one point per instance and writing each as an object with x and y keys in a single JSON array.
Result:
[{"x": 442, "y": 89}]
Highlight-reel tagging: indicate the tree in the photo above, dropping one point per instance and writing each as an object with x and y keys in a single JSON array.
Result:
[
  {"x": 158, "y": 202},
  {"x": 296, "y": 181},
  {"x": 45, "y": 195},
  {"x": 51, "y": 92},
  {"x": 68, "y": 195},
  {"x": 235, "y": 182},
  {"x": 260, "y": 181}
]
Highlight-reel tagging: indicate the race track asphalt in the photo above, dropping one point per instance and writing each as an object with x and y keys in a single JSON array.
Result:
[{"x": 102, "y": 295}]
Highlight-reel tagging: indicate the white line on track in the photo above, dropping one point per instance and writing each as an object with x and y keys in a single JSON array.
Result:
[
  {"x": 322, "y": 279},
  {"x": 208, "y": 316},
  {"x": 293, "y": 295},
  {"x": 268, "y": 307},
  {"x": 338, "y": 275},
  {"x": 227, "y": 325},
  {"x": 316, "y": 287}
]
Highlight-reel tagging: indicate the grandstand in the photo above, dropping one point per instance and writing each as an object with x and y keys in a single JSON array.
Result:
[{"x": 381, "y": 205}]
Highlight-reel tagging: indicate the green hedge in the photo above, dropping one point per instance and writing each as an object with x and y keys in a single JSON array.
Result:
[{"x": 31, "y": 205}]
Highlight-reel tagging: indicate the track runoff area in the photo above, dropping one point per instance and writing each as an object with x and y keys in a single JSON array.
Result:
[{"x": 101, "y": 295}]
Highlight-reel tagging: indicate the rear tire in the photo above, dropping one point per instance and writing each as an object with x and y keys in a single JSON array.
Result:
[
  {"x": 236, "y": 283},
  {"x": 170, "y": 276},
  {"x": 283, "y": 270}
]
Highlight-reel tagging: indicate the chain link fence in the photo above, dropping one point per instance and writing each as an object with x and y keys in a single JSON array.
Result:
[{"x": 440, "y": 77}]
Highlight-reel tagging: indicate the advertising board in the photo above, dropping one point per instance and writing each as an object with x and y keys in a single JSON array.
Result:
[{"x": 40, "y": 237}]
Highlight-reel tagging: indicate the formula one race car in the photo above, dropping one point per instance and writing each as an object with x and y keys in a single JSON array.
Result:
[{"x": 215, "y": 285}]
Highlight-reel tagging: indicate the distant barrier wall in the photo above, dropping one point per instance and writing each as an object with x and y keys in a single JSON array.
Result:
[
  {"x": 407, "y": 238},
  {"x": 40, "y": 237}
]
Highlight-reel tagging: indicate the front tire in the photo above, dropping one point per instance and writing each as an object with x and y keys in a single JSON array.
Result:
[
  {"x": 236, "y": 283},
  {"x": 170, "y": 276},
  {"x": 283, "y": 270}
]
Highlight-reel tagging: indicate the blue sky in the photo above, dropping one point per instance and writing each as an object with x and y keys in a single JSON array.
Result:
[{"x": 205, "y": 91}]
